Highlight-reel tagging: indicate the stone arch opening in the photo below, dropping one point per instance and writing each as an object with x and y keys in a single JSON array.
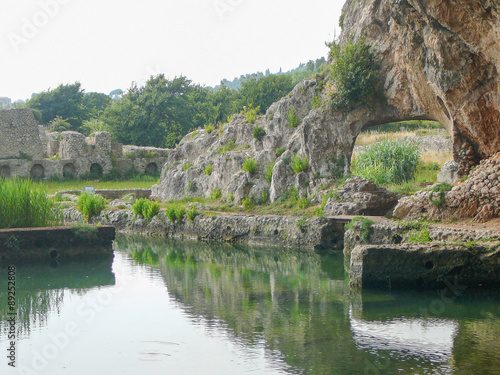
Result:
[
  {"x": 96, "y": 170},
  {"x": 152, "y": 168},
  {"x": 5, "y": 171},
  {"x": 37, "y": 172},
  {"x": 69, "y": 170},
  {"x": 432, "y": 139}
]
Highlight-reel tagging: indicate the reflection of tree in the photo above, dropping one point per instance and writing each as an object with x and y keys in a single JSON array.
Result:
[
  {"x": 40, "y": 290},
  {"x": 299, "y": 304}
]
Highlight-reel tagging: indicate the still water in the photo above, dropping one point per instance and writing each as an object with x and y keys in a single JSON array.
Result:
[{"x": 181, "y": 308}]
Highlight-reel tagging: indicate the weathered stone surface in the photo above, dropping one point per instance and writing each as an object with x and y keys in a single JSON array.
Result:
[
  {"x": 449, "y": 173},
  {"x": 439, "y": 60},
  {"x": 478, "y": 197},
  {"x": 313, "y": 233},
  {"x": 360, "y": 196},
  {"x": 420, "y": 265},
  {"x": 19, "y": 134}
]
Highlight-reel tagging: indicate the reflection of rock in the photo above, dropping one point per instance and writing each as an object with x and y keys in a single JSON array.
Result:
[
  {"x": 429, "y": 339},
  {"x": 360, "y": 197}
]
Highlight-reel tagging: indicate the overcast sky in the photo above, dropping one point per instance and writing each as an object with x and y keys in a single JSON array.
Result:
[{"x": 108, "y": 44}]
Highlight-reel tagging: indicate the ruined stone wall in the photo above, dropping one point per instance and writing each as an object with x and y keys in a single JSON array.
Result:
[{"x": 19, "y": 133}]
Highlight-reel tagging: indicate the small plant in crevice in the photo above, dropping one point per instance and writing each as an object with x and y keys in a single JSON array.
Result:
[
  {"x": 215, "y": 194},
  {"x": 208, "y": 170},
  {"x": 366, "y": 227},
  {"x": 186, "y": 166},
  {"x": 301, "y": 222},
  {"x": 191, "y": 186},
  {"x": 259, "y": 132},
  {"x": 250, "y": 113},
  {"x": 280, "y": 151},
  {"x": 420, "y": 237},
  {"x": 209, "y": 128},
  {"x": 249, "y": 165},
  {"x": 269, "y": 172},
  {"x": 229, "y": 146},
  {"x": 293, "y": 119},
  {"x": 247, "y": 204},
  {"x": 441, "y": 189},
  {"x": 298, "y": 165}
]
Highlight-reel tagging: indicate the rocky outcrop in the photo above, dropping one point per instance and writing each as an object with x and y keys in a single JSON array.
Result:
[
  {"x": 360, "y": 197},
  {"x": 448, "y": 173},
  {"x": 439, "y": 60},
  {"x": 269, "y": 230},
  {"x": 322, "y": 136},
  {"x": 423, "y": 265},
  {"x": 478, "y": 197}
]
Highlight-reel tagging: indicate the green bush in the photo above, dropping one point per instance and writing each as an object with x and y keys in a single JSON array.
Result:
[
  {"x": 192, "y": 213},
  {"x": 293, "y": 119},
  {"x": 215, "y": 194},
  {"x": 180, "y": 211},
  {"x": 191, "y": 186},
  {"x": 247, "y": 203},
  {"x": 441, "y": 189},
  {"x": 298, "y": 165},
  {"x": 366, "y": 227},
  {"x": 259, "y": 133},
  {"x": 229, "y": 146},
  {"x": 251, "y": 113},
  {"x": 25, "y": 204},
  {"x": 209, "y": 128},
  {"x": 354, "y": 73},
  {"x": 146, "y": 208},
  {"x": 250, "y": 166},
  {"x": 269, "y": 172},
  {"x": 208, "y": 170},
  {"x": 388, "y": 162},
  {"x": 90, "y": 205},
  {"x": 171, "y": 214}
]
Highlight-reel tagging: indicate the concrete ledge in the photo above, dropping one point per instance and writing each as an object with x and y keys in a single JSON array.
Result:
[
  {"x": 412, "y": 266},
  {"x": 61, "y": 243}
]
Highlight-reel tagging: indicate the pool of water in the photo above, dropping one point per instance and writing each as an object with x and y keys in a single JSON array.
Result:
[{"x": 164, "y": 307}]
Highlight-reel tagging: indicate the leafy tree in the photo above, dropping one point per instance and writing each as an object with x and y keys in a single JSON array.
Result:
[
  {"x": 65, "y": 101},
  {"x": 354, "y": 73},
  {"x": 264, "y": 91},
  {"x": 59, "y": 125},
  {"x": 94, "y": 104}
]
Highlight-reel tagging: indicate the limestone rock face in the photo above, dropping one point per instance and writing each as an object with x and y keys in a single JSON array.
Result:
[
  {"x": 449, "y": 173},
  {"x": 478, "y": 197},
  {"x": 439, "y": 60},
  {"x": 360, "y": 197},
  {"x": 323, "y": 137}
]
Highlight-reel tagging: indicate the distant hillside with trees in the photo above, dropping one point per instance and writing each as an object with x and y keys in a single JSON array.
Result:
[{"x": 162, "y": 111}]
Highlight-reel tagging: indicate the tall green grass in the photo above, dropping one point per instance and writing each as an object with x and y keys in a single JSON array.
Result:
[
  {"x": 24, "y": 204},
  {"x": 388, "y": 163}
]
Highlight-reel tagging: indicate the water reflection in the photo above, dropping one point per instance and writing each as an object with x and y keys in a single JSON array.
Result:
[
  {"x": 41, "y": 289},
  {"x": 299, "y": 305}
]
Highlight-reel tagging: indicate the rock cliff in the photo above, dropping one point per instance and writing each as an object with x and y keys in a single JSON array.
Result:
[{"x": 438, "y": 60}]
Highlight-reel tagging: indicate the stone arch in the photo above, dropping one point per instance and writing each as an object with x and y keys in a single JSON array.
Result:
[
  {"x": 4, "y": 171},
  {"x": 69, "y": 170},
  {"x": 96, "y": 170},
  {"x": 151, "y": 168},
  {"x": 37, "y": 172}
]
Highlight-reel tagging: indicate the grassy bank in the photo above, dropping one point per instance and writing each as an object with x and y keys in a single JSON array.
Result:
[{"x": 144, "y": 182}]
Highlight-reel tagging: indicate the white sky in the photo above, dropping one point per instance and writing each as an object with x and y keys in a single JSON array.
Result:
[{"x": 108, "y": 44}]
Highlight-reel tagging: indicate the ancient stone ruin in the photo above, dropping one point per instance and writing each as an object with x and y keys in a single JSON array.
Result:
[{"x": 27, "y": 150}]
